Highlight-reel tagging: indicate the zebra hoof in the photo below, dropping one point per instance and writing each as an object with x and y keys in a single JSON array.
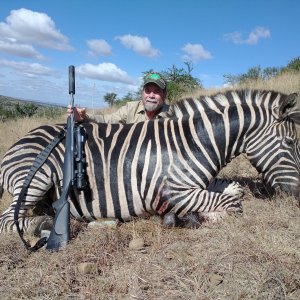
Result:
[
  {"x": 44, "y": 224},
  {"x": 190, "y": 220},
  {"x": 236, "y": 208},
  {"x": 45, "y": 233},
  {"x": 170, "y": 220}
]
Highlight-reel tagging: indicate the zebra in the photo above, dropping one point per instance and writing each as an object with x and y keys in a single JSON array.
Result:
[{"x": 164, "y": 166}]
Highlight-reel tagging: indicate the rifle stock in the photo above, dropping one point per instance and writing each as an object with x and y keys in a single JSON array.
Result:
[{"x": 60, "y": 232}]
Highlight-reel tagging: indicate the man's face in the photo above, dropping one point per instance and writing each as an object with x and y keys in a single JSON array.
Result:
[{"x": 153, "y": 97}]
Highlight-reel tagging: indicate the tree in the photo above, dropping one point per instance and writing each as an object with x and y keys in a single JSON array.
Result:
[
  {"x": 270, "y": 72},
  {"x": 181, "y": 81},
  {"x": 293, "y": 65},
  {"x": 127, "y": 98},
  {"x": 253, "y": 74},
  {"x": 231, "y": 79},
  {"x": 110, "y": 98}
]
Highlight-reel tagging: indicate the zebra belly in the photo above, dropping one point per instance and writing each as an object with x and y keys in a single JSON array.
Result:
[{"x": 113, "y": 201}]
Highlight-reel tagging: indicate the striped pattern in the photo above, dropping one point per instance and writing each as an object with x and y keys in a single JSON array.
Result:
[
  {"x": 258, "y": 123},
  {"x": 163, "y": 166}
]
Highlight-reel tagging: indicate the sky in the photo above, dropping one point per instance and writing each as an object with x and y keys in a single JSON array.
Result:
[{"x": 111, "y": 43}]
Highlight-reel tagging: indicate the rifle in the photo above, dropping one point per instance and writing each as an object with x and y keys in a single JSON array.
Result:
[{"x": 60, "y": 232}]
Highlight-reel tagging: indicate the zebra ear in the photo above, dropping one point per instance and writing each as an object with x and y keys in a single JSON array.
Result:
[{"x": 288, "y": 105}]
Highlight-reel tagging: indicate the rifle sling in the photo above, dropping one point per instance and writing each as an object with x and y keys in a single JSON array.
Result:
[{"x": 38, "y": 162}]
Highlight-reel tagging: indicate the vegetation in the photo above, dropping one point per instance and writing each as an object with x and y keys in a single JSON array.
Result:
[
  {"x": 11, "y": 108},
  {"x": 257, "y": 73},
  {"x": 128, "y": 97},
  {"x": 110, "y": 99},
  {"x": 293, "y": 65}
]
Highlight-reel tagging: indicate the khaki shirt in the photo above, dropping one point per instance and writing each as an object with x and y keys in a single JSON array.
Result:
[{"x": 132, "y": 112}]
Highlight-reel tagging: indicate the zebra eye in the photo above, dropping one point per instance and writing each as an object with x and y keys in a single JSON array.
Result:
[{"x": 289, "y": 142}]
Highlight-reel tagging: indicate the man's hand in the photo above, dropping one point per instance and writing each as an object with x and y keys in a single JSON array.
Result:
[{"x": 79, "y": 113}]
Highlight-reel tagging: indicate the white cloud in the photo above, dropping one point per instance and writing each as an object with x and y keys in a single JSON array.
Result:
[
  {"x": 26, "y": 26},
  {"x": 254, "y": 36},
  {"x": 234, "y": 37},
  {"x": 195, "y": 52},
  {"x": 99, "y": 47},
  {"x": 258, "y": 33},
  {"x": 29, "y": 69},
  {"x": 104, "y": 72},
  {"x": 138, "y": 44},
  {"x": 10, "y": 46}
]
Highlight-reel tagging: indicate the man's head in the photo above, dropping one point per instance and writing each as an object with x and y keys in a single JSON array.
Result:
[{"x": 154, "y": 92}]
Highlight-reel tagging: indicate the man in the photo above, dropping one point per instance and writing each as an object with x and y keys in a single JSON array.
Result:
[{"x": 152, "y": 106}]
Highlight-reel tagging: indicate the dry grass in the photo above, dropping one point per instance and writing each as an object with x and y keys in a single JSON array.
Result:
[
  {"x": 108, "y": 110},
  {"x": 255, "y": 256},
  {"x": 286, "y": 83},
  {"x": 12, "y": 130}
]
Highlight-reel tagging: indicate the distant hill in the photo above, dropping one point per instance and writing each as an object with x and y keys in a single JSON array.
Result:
[{"x": 6, "y": 101}]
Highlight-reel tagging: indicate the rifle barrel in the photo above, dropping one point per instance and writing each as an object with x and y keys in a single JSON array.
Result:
[{"x": 72, "y": 80}]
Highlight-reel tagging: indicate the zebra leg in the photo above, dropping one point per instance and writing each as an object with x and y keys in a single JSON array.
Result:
[
  {"x": 193, "y": 218},
  {"x": 33, "y": 214},
  {"x": 31, "y": 224},
  {"x": 225, "y": 186}
]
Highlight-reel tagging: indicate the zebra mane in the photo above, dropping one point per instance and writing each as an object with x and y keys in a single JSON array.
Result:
[{"x": 221, "y": 100}]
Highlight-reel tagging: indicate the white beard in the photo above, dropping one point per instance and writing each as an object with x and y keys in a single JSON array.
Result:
[{"x": 152, "y": 106}]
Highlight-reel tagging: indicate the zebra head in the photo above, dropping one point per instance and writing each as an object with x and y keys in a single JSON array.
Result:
[{"x": 273, "y": 146}]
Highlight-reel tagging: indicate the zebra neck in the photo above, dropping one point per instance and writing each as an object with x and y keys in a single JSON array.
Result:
[{"x": 222, "y": 137}]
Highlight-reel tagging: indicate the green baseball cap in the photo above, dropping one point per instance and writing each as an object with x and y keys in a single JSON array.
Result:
[{"x": 155, "y": 78}]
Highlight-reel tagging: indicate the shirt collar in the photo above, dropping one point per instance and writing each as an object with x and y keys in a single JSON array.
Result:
[{"x": 141, "y": 109}]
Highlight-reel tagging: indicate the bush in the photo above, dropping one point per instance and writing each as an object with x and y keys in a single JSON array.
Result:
[
  {"x": 12, "y": 110},
  {"x": 5, "y": 113},
  {"x": 257, "y": 73},
  {"x": 25, "y": 110}
]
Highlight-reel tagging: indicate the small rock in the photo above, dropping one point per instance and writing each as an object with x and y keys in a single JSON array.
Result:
[
  {"x": 215, "y": 279},
  {"x": 87, "y": 268},
  {"x": 137, "y": 244},
  {"x": 103, "y": 223}
]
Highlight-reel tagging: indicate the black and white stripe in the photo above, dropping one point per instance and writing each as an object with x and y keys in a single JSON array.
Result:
[{"x": 165, "y": 166}]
